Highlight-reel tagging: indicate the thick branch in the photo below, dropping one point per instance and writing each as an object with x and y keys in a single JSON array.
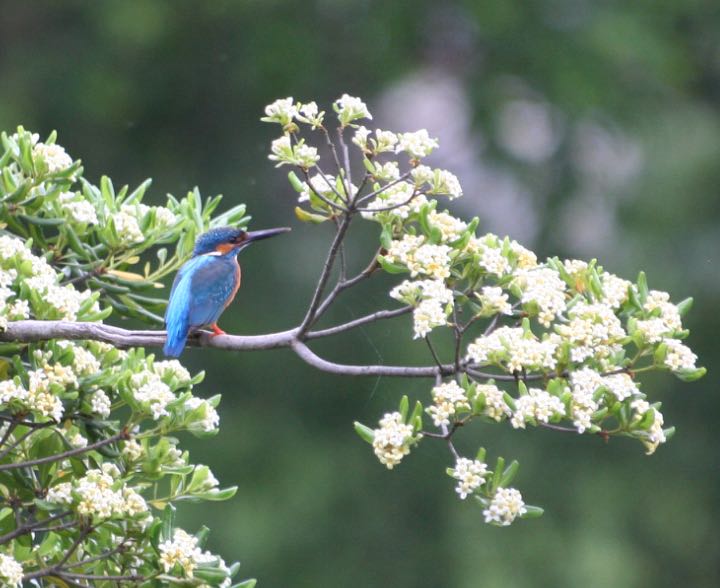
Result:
[
  {"x": 308, "y": 356},
  {"x": 31, "y": 330}
]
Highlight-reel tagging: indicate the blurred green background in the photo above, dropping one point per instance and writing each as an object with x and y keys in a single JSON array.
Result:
[{"x": 581, "y": 128}]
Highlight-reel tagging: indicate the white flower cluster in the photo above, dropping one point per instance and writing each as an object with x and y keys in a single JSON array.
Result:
[
  {"x": 203, "y": 414},
  {"x": 183, "y": 550},
  {"x": 349, "y": 109},
  {"x": 493, "y": 301},
  {"x": 495, "y": 406},
  {"x": 22, "y": 268},
  {"x": 100, "y": 404},
  {"x": 77, "y": 208},
  {"x": 679, "y": 356},
  {"x": 397, "y": 201},
  {"x": 391, "y": 442},
  {"x": 594, "y": 331},
  {"x": 96, "y": 495},
  {"x": 53, "y": 156},
  {"x": 11, "y": 572},
  {"x": 470, "y": 474},
  {"x": 448, "y": 399},
  {"x": 615, "y": 289},
  {"x": 154, "y": 394},
  {"x": 421, "y": 257},
  {"x": 438, "y": 181},
  {"x": 382, "y": 142},
  {"x": 326, "y": 186},
  {"x": 130, "y": 217},
  {"x": 300, "y": 154},
  {"x": 172, "y": 370},
  {"x": 538, "y": 405},
  {"x": 513, "y": 349},
  {"x": 655, "y": 435},
  {"x": 584, "y": 385},
  {"x": 432, "y": 301},
  {"x": 451, "y": 228},
  {"x": 417, "y": 145},
  {"x": 543, "y": 287},
  {"x": 505, "y": 507}
]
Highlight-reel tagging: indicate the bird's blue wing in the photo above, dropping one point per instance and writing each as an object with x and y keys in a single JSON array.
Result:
[{"x": 198, "y": 297}]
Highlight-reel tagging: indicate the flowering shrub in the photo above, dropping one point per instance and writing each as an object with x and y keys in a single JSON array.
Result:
[
  {"x": 558, "y": 344},
  {"x": 89, "y": 474}
]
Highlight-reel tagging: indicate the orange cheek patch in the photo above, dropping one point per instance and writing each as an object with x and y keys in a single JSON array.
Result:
[{"x": 224, "y": 248}]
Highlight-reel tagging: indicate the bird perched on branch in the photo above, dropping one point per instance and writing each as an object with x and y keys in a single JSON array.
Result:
[{"x": 207, "y": 283}]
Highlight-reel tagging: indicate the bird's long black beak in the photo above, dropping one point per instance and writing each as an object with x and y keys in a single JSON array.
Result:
[{"x": 258, "y": 235}]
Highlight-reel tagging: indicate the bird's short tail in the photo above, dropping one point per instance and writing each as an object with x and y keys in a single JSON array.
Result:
[{"x": 177, "y": 335}]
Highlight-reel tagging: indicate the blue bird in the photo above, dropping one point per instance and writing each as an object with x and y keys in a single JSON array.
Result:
[{"x": 207, "y": 283}]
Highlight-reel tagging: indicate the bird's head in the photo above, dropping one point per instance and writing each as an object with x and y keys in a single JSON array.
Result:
[{"x": 223, "y": 240}]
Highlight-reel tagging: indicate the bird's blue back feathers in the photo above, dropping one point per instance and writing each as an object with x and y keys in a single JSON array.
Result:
[{"x": 202, "y": 289}]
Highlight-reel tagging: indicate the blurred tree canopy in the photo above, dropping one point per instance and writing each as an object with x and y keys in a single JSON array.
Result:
[{"x": 605, "y": 118}]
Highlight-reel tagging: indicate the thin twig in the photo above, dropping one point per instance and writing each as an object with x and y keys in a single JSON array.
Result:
[
  {"x": 324, "y": 275},
  {"x": 380, "y": 315},
  {"x": 434, "y": 354},
  {"x": 33, "y": 527},
  {"x": 64, "y": 455}
]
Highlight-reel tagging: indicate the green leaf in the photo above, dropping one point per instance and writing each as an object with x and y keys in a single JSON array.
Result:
[
  {"x": 295, "y": 182},
  {"x": 642, "y": 287},
  {"x": 689, "y": 375},
  {"x": 532, "y": 512},
  {"x": 366, "y": 433},
  {"x": 684, "y": 306},
  {"x": 404, "y": 406},
  {"x": 168, "y": 519},
  {"x": 509, "y": 473},
  {"x": 309, "y": 217}
]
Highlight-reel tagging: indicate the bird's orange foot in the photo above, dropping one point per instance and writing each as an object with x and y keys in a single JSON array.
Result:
[{"x": 217, "y": 330}]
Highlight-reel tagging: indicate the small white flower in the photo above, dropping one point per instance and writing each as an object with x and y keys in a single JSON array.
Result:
[
  {"x": 206, "y": 416},
  {"x": 417, "y": 145},
  {"x": 127, "y": 228},
  {"x": 360, "y": 138},
  {"x": 77, "y": 440},
  {"x": 300, "y": 154},
  {"x": 350, "y": 109},
  {"x": 132, "y": 450},
  {"x": 679, "y": 356},
  {"x": 54, "y": 157},
  {"x": 81, "y": 211},
  {"x": 61, "y": 493},
  {"x": 182, "y": 550},
  {"x": 538, "y": 405},
  {"x": 392, "y": 440},
  {"x": 495, "y": 406},
  {"x": 11, "y": 572},
  {"x": 505, "y": 507},
  {"x": 100, "y": 404},
  {"x": 494, "y": 301},
  {"x": 470, "y": 474},
  {"x": 545, "y": 288},
  {"x": 309, "y": 114},
  {"x": 448, "y": 399},
  {"x": 281, "y": 111}
]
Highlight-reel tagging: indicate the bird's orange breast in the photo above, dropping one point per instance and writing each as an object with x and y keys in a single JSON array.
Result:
[{"x": 237, "y": 284}]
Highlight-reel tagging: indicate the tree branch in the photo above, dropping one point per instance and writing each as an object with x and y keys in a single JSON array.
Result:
[
  {"x": 32, "y": 330},
  {"x": 309, "y": 357},
  {"x": 381, "y": 314},
  {"x": 65, "y": 454}
]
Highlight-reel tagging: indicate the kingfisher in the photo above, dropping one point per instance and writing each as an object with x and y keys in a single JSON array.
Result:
[{"x": 207, "y": 283}]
